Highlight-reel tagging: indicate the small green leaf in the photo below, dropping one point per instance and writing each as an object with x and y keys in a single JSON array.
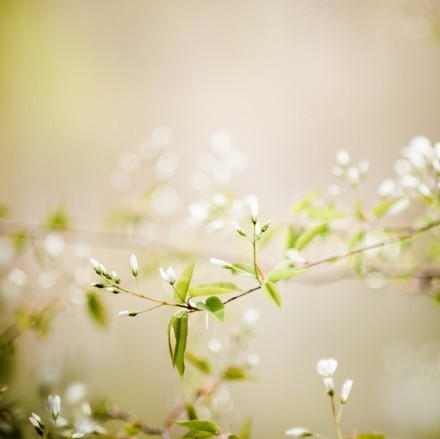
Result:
[
  {"x": 170, "y": 327},
  {"x": 199, "y": 363},
  {"x": 306, "y": 237},
  {"x": 214, "y": 306},
  {"x": 239, "y": 268},
  {"x": 190, "y": 411},
  {"x": 325, "y": 213},
  {"x": 183, "y": 283},
  {"x": 195, "y": 434},
  {"x": 370, "y": 436},
  {"x": 200, "y": 426},
  {"x": 20, "y": 239},
  {"x": 272, "y": 292},
  {"x": 58, "y": 219},
  {"x": 357, "y": 238},
  {"x": 180, "y": 326},
  {"x": 305, "y": 202},
  {"x": 96, "y": 309},
  {"x": 283, "y": 273},
  {"x": 212, "y": 289},
  {"x": 235, "y": 373},
  {"x": 381, "y": 208},
  {"x": 245, "y": 431},
  {"x": 3, "y": 211}
]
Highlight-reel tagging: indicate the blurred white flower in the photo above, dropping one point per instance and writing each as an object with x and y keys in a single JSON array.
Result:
[
  {"x": 342, "y": 158},
  {"x": 295, "y": 256},
  {"x": 386, "y": 188},
  {"x": 299, "y": 432},
  {"x": 346, "y": 388},
  {"x": 54, "y": 245},
  {"x": 327, "y": 367}
]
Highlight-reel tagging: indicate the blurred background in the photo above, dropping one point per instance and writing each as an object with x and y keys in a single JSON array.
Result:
[{"x": 82, "y": 83}]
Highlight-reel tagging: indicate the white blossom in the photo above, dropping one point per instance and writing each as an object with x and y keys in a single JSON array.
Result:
[
  {"x": 134, "y": 265},
  {"x": 346, "y": 388},
  {"x": 342, "y": 158},
  {"x": 299, "y": 432},
  {"x": 386, "y": 188},
  {"x": 253, "y": 207},
  {"x": 168, "y": 275},
  {"x": 54, "y": 403},
  {"x": 220, "y": 263},
  {"x": 327, "y": 367}
]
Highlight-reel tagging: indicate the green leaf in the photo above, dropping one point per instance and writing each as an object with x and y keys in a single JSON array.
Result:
[
  {"x": 306, "y": 237},
  {"x": 190, "y": 411},
  {"x": 245, "y": 431},
  {"x": 199, "y": 363},
  {"x": 3, "y": 211},
  {"x": 195, "y": 434},
  {"x": 58, "y": 219},
  {"x": 214, "y": 306},
  {"x": 381, "y": 208},
  {"x": 213, "y": 289},
  {"x": 305, "y": 202},
  {"x": 370, "y": 436},
  {"x": 96, "y": 309},
  {"x": 233, "y": 436},
  {"x": 325, "y": 213},
  {"x": 200, "y": 426},
  {"x": 272, "y": 292},
  {"x": 20, "y": 239},
  {"x": 283, "y": 273},
  {"x": 235, "y": 373},
  {"x": 170, "y": 327},
  {"x": 357, "y": 238},
  {"x": 239, "y": 268},
  {"x": 183, "y": 283},
  {"x": 180, "y": 327}
]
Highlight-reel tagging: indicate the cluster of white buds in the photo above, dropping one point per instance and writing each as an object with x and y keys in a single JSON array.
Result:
[
  {"x": 351, "y": 173},
  {"x": 111, "y": 281},
  {"x": 326, "y": 368},
  {"x": 419, "y": 168},
  {"x": 38, "y": 424},
  {"x": 168, "y": 275}
]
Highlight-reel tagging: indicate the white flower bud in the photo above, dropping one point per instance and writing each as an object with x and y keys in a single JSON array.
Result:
[
  {"x": 329, "y": 386},
  {"x": 169, "y": 275},
  {"x": 346, "y": 388},
  {"x": 299, "y": 432},
  {"x": 54, "y": 403},
  {"x": 134, "y": 265},
  {"x": 253, "y": 207},
  {"x": 386, "y": 188},
  {"x": 258, "y": 230},
  {"x": 353, "y": 175},
  {"x": 363, "y": 167},
  {"x": 220, "y": 263},
  {"x": 127, "y": 313},
  {"x": 240, "y": 231},
  {"x": 327, "y": 367}
]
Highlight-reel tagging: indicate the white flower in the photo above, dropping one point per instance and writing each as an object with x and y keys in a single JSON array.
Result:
[
  {"x": 342, "y": 158},
  {"x": 363, "y": 167},
  {"x": 353, "y": 175},
  {"x": 134, "y": 265},
  {"x": 37, "y": 423},
  {"x": 386, "y": 188},
  {"x": 299, "y": 432},
  {"x": 329, "y": 386},
  {"x": 128, "y": 313},
  {"x": 220, "y": 263},
  {"x": 54, "y": 403},
  {"x": 346, "y": 388},
  {"x": 94, "y": 263},
  {"x": 253, "y": 207},
  {"x": 327, "y": 367},
  {"x": 169, "y": 275}
]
